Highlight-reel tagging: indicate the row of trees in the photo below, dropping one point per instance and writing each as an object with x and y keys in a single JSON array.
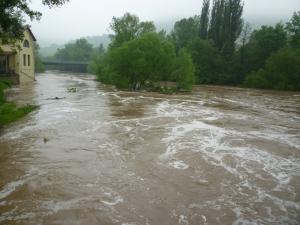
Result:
[
  {"x": 138, "y": 57},
  {"x": 80, "y": 50},
  {"x": 225, "y": 51},
  {"x": 216, "y": 47}
]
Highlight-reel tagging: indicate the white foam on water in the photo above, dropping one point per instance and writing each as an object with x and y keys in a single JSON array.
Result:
[
  {"x": 115, "y": 201},
  {"x": 56, "y": 206},
  {"x": 183, "y": 220},
  {"x": 214, "y": 144},
  {"x": 128, "y": 100},
  {"x": 11, "y": 187},
  {"x": 179, "y": 164},
  {"x": 292, "y": 140},
  {"x": 111, "y": 198},
  {"x": 45, "y": 118}
]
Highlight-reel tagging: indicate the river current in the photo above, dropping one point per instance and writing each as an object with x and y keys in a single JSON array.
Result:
[{"x": 219, "y": 155}]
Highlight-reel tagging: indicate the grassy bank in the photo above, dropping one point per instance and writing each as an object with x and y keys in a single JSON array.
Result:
[{"x": 9, "y": 111}]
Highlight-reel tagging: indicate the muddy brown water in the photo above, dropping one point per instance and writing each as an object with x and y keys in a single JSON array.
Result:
[{"x": 100, "y": 156}]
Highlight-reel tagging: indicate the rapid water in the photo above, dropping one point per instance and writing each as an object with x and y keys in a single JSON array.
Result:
[{"x": 100, "y": 156}]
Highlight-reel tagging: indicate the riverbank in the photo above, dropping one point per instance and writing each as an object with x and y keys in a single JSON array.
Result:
[{"x": 9, "y": 111}]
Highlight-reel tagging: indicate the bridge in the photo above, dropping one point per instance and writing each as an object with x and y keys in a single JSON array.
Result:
[{"x": 74, "y": 66}]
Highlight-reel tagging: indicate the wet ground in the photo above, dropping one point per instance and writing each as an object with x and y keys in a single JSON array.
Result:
[{"x": 100, "y": 156}]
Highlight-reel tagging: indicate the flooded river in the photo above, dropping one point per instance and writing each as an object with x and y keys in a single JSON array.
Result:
[{"x": 99, "y": 156}]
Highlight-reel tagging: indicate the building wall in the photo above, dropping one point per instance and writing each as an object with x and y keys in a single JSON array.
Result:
[
  {"x": 12, "y": 62},
  {"x": 25, "y": 71},
  {"x": 25, "y": 60}
]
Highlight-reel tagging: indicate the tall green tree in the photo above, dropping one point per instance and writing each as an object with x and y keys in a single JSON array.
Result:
[
  {"x": 184, "y": 73},
  {"x": 216, "y": 23},
  {"x": 293, "y": 28},
  {"x": 146, "y": 58},
  {"x": 204, "y": 20},
  {"x": 232, "y": 25},
  {"x": 39, "y": 66},
  {"x": 226, "y": 24},
  {"x": 12, "y": 14},
  {"x": 184, "y": 31},
  {"x": 207, "y": 60},
  {"x": 95, "y": 64},
  {"x": 127, "y": 28}
]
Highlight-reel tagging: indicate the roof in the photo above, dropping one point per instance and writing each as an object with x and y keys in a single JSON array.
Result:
[{"x": 30, "y": 32}]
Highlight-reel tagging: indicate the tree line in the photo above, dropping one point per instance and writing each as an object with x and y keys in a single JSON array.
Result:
[
  {"x": 217, "y": 48},
  {"x": 226, "y": 52}
]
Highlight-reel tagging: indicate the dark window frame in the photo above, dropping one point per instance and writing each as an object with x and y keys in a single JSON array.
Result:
[
  {"x": 24, "y": 59},
  {"x": 28, "y": 60}
]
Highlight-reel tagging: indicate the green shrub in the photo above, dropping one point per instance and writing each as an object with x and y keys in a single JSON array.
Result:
[
  {"x": 185, "y": 71},
  {"x": 281, "y": 72},
  {"x": 9, "y": 112}
]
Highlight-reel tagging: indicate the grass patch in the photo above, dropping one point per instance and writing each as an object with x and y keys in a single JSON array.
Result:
[{"x": 9, "y": 111}]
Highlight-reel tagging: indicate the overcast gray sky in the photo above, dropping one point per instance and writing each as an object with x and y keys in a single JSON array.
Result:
[{"x": 80, "y": 18}]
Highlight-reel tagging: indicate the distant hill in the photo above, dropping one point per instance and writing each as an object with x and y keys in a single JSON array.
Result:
[
  {"x": 97, "y": 40},
  {"x": 50, "y": 50},
  {"x": 94, "y": 40},
  {"x": 166, "y": 25}
]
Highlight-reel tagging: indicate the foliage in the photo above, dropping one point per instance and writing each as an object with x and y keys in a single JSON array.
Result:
[
  {"x": 204, "y": 20},
  {"x": 127, "y": 28},
  {"x": 208, "y": 62},
  {"x": 39, "y": 66},
  {"x": 81, "y": 50},
  {"x": 140, "y": 58},
  {"x": 264, "y": 42},
  {"x": 210, "y": 49},
  {"x": 282, "y": 72},
  {"x": 12, "y": 17},
  {"x": 211, "y": 40},
  {"x": 226, "y": 24},
  {"x": 184, "y": 73},
  {"x": 147, "y": 58},
  {"x": 4, "y": 84},
  {"x": 293, "y": 28},
  {"x": 9, "y": 112},
  {"x": 96, "y": 60},
  {"x": 184, "y": 31}
]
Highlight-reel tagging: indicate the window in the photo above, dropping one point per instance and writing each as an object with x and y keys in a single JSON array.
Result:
[
  {"x": 28, "y": 60},
  {"x": 26, "y": 44},
  {"x": 24, "y": 59}
]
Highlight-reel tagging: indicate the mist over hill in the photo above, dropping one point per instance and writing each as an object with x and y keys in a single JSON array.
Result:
[{"x": 50, "y": 49}]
